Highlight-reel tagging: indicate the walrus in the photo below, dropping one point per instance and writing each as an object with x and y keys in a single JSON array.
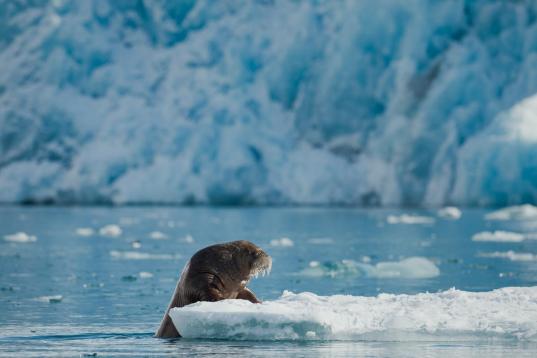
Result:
[{"x": 216, "y": 273}]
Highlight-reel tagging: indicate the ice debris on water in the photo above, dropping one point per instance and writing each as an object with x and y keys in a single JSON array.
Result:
[
  {"x": 499, "y": 236},
  {"x": 409, "y": 268},
  {"x": 519, "y": 212},
  {"x": 157, "y": 235},
  {"x": 110, "y": 231},
  {"x": 409, "y": 219},
  {"x": 20, "y": 237},
  {"x": 450, "y": 212},
  {"x": 282, "y": 242},
  {"x": 50, "y": 299},
  {"x": 85, "y": 231}
]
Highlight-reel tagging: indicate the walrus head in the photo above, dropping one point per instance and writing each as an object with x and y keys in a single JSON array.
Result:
[{"x": 228, "y": 267}]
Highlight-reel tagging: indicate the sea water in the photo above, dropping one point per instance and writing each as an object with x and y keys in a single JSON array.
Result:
[{"x": 377, "y": 282}]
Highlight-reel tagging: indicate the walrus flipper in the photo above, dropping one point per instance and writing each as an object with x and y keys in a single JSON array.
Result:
[{"x": 248, "y": 295}]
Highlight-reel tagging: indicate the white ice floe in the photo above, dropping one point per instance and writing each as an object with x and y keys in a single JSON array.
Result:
[
  {"x": 511, "y": 255},
  {"x": 409, "y": 268},
  {"x": 136, "y": 255},
  {"x": 283, "y": 242},
  {"x": 20, "y": 237},
  {"x": 157, "y": 235},
  {"x": 507, "y": 313},
  {"x": 145, "y": 274},
  {"x": 519, "y": 212},
  {"x": 110, "y": 230},
  {"x": 450, "y": 212},
  {"x": 499, "y": 236},
  {"x": 188, "y": 239},
  {"x": 85, "y": 231},
  {"x": 409, "y": 219},
  {"x": 321, "y": 241},
  {"x": 50, "y": 299}
]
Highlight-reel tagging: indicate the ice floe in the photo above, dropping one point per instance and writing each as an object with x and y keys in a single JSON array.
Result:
[
  {"x": 450, "y": 212},
  {"x": 85, "y": 231},
  {"x": 20, "y": 237},
  {"x": 519, "y": 212},
  {"x": 282, "y": 242},
  {"x": 50, "y": 299},
  {"x": 409, "y": 268},
  {"x": 110, "y": 230},
  {"x": 507, "y": 313},
  {"x": 137, "y": 255},
  {"x": 145, "y": 274},
  {"x": 499, "y": 236},
  {"x": 511, "y": 255},
  {"x": 409, "y": 219},
  {"x": 157, "y": 235}
]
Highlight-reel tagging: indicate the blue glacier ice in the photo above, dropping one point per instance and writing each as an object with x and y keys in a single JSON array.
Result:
[{"x": 269, "y": 102}]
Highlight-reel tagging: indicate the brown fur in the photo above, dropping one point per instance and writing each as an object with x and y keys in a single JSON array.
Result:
[{"x": 216, "y": 273}]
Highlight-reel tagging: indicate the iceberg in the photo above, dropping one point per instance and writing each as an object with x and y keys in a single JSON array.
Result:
[
  {"x": 419, "y": 102},
  {"x": 507, "y": 313}
]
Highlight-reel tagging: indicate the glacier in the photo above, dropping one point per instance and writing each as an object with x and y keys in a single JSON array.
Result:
[{"x": 419, "y": 102}]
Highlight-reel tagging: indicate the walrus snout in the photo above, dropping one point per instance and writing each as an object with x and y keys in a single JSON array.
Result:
[{"x": 261, "y": 265}]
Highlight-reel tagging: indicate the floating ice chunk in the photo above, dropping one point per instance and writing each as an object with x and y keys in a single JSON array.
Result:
[
  {"x": 110, "y": 230},
  {"x": 409, "y": 268},
  {"x": 136, "y": 244},
  {"x": 145, "y": 274},
  {"x": 188, "y": 239},
  {"x": 511, "y": 255},
  {"x": 450, "y": 212},
  {"x": 157, "y": 235},
  {"x": 449, "y": 315},
  {"x": 50, "y": 299},
  {"x": 499, "y": 236},
  {"x": 520, "y": 212},
  {"x": 409, "y": 219},
  {"x": 283, "y": 242},
  {"x": 136, "y": 255},
  {"x": 321, "y": 241},
  {"x": 85, "y": 231},
  {"x": 20, "y": 237}
]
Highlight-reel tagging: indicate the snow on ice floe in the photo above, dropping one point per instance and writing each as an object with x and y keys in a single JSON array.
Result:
[
  {"x": 110, "y": 231},
  {"x": 510, "y": 255},
  {"x": 85, "y": 231},
  {"x": 409, "y": 268},
  {"x": 507, "y": 313},
  {"x": 499, "y": 236},
  {"x": 409, "y": 219},
  {"x": 20, "y": 237},
  {"x": 450, "y": 212},
  {"x": 282, "y": 242},
  {"x": 519, "y": 212},
  {"x": 137, "y": 255}
]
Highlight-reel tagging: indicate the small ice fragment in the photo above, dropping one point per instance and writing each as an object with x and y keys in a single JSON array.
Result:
[
  {"x": 145, "y": 274},
  {"x": 366, "y": 259},
  {"x": 136, "y": 244},
  {"x": 314, "y": 263},
  {"x": 321, "y": 241},
  {"x": 520, "y": 212},
  {"x": 511, "y": 255},
  {"x": 137, "y": 255},
  {"x": 409, "y": 219},
  {"x": 84, "y": 231},
  {"x": 50, "y": 299},
  {"x": 157, "y": 235},
  {"x": 110, "y": 230},
  {"x": 498, "y": 236},
  {"x": 311, "y": 334},
  {"x": 20, "y": 237},
  {"x": 283, "y": 242},
  {"x": 450, "y": 212},
  {"x": 188, "y": 239}
]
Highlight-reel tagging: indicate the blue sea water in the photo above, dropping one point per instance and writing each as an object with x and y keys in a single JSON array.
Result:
[{"x": 114, "y": 289}]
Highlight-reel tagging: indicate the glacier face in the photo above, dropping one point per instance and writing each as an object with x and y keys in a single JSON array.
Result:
[{"x": 271, "y": 102}]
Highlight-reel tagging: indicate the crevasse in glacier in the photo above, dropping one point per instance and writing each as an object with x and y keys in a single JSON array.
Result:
[{"x": 347, "y": 102}]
